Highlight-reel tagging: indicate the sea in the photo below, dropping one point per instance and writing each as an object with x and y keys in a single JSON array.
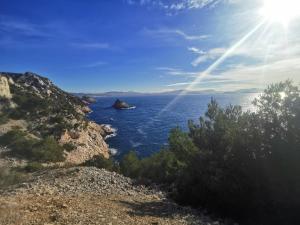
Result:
[{"x": 145, "y": 127}]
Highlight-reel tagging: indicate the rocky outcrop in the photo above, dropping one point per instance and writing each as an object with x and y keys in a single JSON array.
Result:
[
  {"x": 4, "y": 88},
  {"x": 121, "y": 105},
  {"x": 47, "y": 110},
  {"x": 88, "y": 143}
]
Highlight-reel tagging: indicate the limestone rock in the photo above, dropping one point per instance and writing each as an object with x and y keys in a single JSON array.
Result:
[
  {"x": 88, "y": 142},
  {"x": 4, "y": 88}
]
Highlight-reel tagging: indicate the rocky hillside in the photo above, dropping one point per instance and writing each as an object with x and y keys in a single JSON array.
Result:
[
  {"x": 34, "y": 105},
  {"x": 87, "y": 195}
]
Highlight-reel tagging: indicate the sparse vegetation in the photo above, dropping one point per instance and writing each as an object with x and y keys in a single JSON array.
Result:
[
  {"x": 100, "y": 162},
  {"x": 47, "y": 115},
  {"x": 69, "y": 147},
  {"x": 10, "y": 177},
  {"x": 33, "y": 167},
  {"x": 23, "y": 146},
  {"x": 3, "y": 118}
]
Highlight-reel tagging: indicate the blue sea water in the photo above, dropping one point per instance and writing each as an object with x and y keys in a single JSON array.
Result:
[{"x": 146, "y": 128}]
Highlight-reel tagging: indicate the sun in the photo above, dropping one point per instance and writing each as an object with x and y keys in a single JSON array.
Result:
[{"x": 281, "y": 11}]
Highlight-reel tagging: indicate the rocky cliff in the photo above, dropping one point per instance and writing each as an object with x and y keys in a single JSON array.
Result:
[{"x": 49, "y": 111}]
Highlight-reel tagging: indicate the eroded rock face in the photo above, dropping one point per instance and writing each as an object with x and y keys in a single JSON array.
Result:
[
  {"x": 88, "y": 143},
  {"x": 4, "y": 88}
]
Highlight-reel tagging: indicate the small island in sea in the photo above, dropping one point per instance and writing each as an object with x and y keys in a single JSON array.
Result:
[{"x": 122, "y": 105}]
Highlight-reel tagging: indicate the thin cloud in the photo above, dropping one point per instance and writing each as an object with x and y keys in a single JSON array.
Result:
[
  {"x": 178, "y": 84},
  {"x": 176, "y": 6},
  {"x": 205, "y": 56},
  {"x": 92, "y": 45},
  {"x": 177, "y": 72},
  {"x": 14, "y": 27},
  {"x": 167, "y": 33},
  {"x": 255, "y": 76},
  {"x": 94, "y": 64}
]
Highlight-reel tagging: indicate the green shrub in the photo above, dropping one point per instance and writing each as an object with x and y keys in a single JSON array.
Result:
[
  {"x": 33, "y": 167},
  {"x": 130, "y": 165},
  {"x": 69, "y": 147},
  {"x": 3, "y": 118},
  {"x": 100, "y": 162},
  {"x": 10, "y": 177},
  {"x": 18, "y": 142},
  {"x": 22, "y": 146},
  {"x": 47, "y": 150}
]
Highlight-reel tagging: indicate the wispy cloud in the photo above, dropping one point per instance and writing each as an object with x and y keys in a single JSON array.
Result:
[
  {"x": 91, "y": 45},
  {"x": 94, "y": 64},
  {"x": 167, "y": 33},
  {"x": 173, "y": 7},
  {"x": 205, "y": 56},
  {"x": 177, "y": 72},
  {"x": 23, "y": 28},
  {"x": 263, "y": 74},
  {"x": 244, "y": 77},
  {"x": 178, "y": 84}
]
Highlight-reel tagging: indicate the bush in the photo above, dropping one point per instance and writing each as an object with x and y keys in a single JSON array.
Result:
[
  {"x": 22, "y": 146},
  {"x": 69, "y": 147},
  {"x": 3, "y": 118},
  {"x": 47, "y": 150},
  {"x": 130, "y": 165},
  {"x": 10, "y": 177},
  {"x": 18, "y": 142},
  {"x": 33, "y": 167},
  {"x": 100, "y": 162}
]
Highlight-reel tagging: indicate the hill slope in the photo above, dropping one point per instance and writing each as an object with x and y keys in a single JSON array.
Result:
[{"x": 36, "y": 106}]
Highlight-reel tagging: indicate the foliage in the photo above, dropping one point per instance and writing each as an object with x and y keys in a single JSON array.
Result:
[
  {"x": 10, "y": 177},
  {"x": 49, "y": 115},
  {"x": 100, "y": 162},
  {"x": 33, "y": 167},
  {"x": 240, "y": 164},
  {"x": 48, "y": 150},
  {"x": 69, "y": 147},
  {"x": 3, "y": 118},
  {"x": 130, "y": 165},
  {"x": 23, "y": 146}
]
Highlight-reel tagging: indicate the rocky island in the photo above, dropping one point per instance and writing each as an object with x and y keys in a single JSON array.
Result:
[{"x": 121, "y": 105}]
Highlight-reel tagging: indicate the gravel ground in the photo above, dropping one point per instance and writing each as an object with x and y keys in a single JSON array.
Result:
[{"x": 91, "y": 196}]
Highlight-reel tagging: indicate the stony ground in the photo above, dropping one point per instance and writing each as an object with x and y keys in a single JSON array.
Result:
[{"x": 86, "y": 195}]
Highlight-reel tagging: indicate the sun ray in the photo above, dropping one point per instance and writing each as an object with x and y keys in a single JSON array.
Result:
[{"x": 213, "y": 66}]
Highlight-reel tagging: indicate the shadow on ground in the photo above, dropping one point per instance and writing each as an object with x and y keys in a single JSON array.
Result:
[{"x": 162, "y": 208}]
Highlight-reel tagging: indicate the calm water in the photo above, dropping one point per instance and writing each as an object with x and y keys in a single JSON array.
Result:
[{"x": 145, "y": 128}]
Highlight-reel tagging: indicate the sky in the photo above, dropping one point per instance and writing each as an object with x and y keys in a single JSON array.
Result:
[{"x": 151, "y": 45}]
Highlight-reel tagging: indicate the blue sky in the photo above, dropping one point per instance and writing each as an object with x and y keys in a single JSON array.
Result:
[{"x": 148, "y": 45}]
